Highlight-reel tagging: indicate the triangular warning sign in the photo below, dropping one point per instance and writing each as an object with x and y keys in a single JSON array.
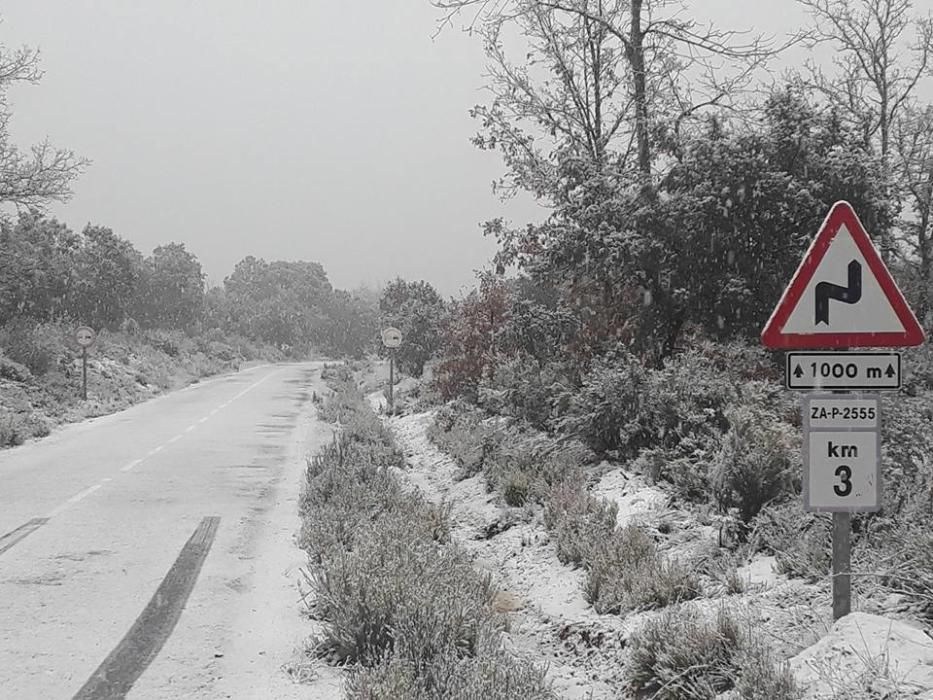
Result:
[{"x": 842, "y": 295}]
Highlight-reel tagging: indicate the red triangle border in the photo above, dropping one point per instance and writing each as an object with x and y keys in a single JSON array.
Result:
[{"x": 772, "y": 336}]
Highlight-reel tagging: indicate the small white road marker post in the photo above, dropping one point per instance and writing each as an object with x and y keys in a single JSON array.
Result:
[
  {"x": 842, "y": 296},
  {"x": 391, "y": 338},
  {"x": 85, "y": 337}
]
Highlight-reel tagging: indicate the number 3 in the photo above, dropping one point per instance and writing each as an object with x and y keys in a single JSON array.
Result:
[{"x": 844, "y": 473}]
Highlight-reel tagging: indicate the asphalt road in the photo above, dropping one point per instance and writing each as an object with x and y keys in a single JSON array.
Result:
[{"x": 149, "y": 553}]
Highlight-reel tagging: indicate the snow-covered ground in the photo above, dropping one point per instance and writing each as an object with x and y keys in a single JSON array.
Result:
[{"x": 551, "y": 622}]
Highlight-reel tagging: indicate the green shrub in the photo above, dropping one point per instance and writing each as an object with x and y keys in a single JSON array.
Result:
[
  {"x": 682, "y": 656},
  {"x": 395, "y": 596},
  {"x": 346, "y": 495},
  {"x": 801, "y": 542},
  {"x": 577, "y": 520},
  {"x": 754, "y": 465},
  {"x": 11, "y": 430},
  {"x": 169, "y": 342},
  {"x": 530, "y": 392},
  {"x": 515, "y": 487},
  {"x": 13, "y": 371},
  {"x": 460, "y": 433},
  {"x": 604, "y": 412},
  {"x": 760, "y": 677},
  {"x": 493, "y": 675},
  {"x": 36, "y": 346},
  {"x": 685, "y": 655},
  {"x": 625, "y": 571},
  {"x": 395, "y": 588}
]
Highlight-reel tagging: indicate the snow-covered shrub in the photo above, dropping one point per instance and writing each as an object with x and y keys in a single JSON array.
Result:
[
  {"x": 578, "y": 520},
  {"x": 515, "y": 486},
  {"x": 37, "y": 346},
  {"x": 395, "y": 590},
  {"x": 685, "y": 654},
  {"x": 396, "y": 597},
  {"x": 12, "y": 432},
  {"x": 14, "y": 371},
  {"x": 172, "y": 343},
  {"x": 522, "y": 470},
  {"x": 801, "y": 542},
  {"x": 460, "y": 432},
  {"x": 493, "y": 675},
  {"x": 604, "y": 412},
  {"x": 907, "y": 459},
  {"x": 626, "y": 572},
  {"x": 681, "y": 655},
  {"x": 754, "y": 464},
  {"x": 531, "y": 392},
  {"x": 760, "y": 675}
]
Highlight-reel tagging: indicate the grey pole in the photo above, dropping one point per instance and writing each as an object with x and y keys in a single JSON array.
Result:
[{"x": 84, "y": 373}]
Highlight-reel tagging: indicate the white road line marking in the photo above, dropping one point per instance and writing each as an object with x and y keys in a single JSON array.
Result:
[
  {"x": 130, "y": 465},
  {"x": 190, "y": 428},
  {"x": 105, "y": 480},
  {"x": 154, "y": 450},
  {"x": 58, "y": 510},
  {"x": 203, "y": 420},
  {"x": 84, "y": 494},
  {"x": 174, "y": 439}
]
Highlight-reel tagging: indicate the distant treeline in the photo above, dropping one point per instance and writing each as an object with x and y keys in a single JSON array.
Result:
[{"x": 50, "y": 273}]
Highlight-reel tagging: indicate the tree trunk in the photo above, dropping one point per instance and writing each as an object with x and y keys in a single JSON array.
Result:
[
  {"x": 924, "y": 245},
  {"x": 636, "y": 58}
]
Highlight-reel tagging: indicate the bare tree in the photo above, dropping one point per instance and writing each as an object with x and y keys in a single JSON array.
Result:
[
  {"x": 627, "y": 68},
  {"x": 878, "y": 65},
  {"x": 30, "y": 179},
  {"x": 913, "y": 149}
]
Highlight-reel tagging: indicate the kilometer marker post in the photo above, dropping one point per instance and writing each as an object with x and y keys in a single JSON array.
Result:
[
  {"x": 391, "y": 338},
  {"x": 842, "y": 558},
  {"x": 842, "y": 296},
  {"x": 85, "y": 337}
]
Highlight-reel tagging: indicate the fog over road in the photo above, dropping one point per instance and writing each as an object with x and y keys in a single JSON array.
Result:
[{"x": 202, "y": 483}]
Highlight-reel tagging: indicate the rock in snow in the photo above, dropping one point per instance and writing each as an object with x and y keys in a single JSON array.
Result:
[{"x": 867, "y": 656}]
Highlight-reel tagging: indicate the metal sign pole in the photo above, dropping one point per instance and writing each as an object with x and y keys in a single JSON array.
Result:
[
  {"x": 842, "y": 579},
  {"x": 84, "y": 373},
  {"x": 391, "y": 377},
  {"x": 842, "y": 555},
  {"x": 842, "y": 434}
]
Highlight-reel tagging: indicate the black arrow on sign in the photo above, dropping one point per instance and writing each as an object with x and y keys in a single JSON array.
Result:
[
  {"x": 798, "y": 372},
  {"x": 847, "y": 295},
  {"x": 890, "y": 372}
]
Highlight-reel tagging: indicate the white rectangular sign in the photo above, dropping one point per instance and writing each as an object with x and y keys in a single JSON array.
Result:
[
  {"x": 849, "y": 371},
  {"x": 842, "y": 413},
  {"x": 842, "y": 453}
]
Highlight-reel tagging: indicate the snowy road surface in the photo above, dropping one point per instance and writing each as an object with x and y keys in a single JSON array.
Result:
[{"x": 182, "y": 508}]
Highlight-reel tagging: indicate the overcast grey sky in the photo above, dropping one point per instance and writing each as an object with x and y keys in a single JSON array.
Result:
[{"x": 285, "y": 129}]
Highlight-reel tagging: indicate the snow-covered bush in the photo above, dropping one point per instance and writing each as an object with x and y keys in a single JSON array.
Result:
[
  {"x": 754, "y": 464},
  {"x": 14, "y": 371},
  {"x": 492, "y": 675},
  {"x": 801, "y": 542},
  {"x": 397, "y": 592},
  {"x": 625, "y": 571},
  {"x": 577, "y": 519},
  {"x": 531, "y": 392},
  {"x": 460, "y": 432},
  {"x": 396, "y": 597},
  {"x": 604, "y": 412},
  {"x": 37, "y": 346},
  {"x": 685, "y": 655}
]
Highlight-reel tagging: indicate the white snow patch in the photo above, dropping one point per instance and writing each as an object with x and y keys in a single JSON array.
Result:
[
  {"x": 635, "y": 498},
  {"x": 760, "y": 572},
  {"x": 862, "y": 651},
  {"x": 551, "y": 620}
]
